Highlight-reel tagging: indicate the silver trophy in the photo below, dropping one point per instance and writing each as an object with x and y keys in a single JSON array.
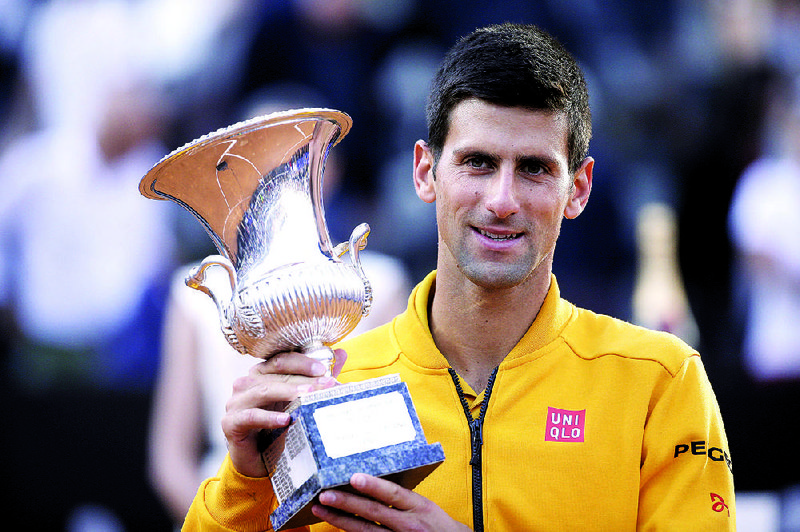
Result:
[{"x": 256, "y": 187}]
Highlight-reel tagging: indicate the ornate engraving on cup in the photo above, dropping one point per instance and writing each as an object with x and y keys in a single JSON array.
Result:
[{"x": 256, "y": 187}]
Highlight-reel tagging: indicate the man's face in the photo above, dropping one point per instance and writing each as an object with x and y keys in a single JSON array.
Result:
[{"x": 501, "y": 187}]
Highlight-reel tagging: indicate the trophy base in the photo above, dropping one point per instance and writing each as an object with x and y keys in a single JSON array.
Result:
[{"x": 364, "y": 427}]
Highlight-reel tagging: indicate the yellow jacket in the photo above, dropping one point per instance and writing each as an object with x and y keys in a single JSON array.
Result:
[{"x": 592, "y": 424}]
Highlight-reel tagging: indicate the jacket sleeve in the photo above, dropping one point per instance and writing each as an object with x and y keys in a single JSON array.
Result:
[
  {"x": 231, "y": 502},
  {"x": 686, "y": 480}
]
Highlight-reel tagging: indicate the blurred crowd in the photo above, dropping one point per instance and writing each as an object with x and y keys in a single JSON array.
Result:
[{"x": 691, "y": 226}]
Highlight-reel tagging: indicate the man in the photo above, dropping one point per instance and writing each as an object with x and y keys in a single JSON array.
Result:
[{"x": 551, "y": 417}]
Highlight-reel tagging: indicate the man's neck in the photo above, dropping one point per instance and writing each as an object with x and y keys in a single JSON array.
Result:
[{"x": 475, "y": 328}]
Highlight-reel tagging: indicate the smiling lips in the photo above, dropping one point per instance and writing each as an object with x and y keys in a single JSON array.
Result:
[{"x": 499, "y": 237}]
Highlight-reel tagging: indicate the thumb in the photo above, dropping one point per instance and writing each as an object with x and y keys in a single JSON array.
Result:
[{"x": 339, "y": 359}]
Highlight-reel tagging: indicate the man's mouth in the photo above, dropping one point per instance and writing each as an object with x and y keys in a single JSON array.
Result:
[{"x": 499, "y": 237}]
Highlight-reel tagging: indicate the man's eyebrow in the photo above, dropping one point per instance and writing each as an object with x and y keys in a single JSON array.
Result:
[
  {"x": 470, "y": 151},
  {"x": 542, "y": 160}
]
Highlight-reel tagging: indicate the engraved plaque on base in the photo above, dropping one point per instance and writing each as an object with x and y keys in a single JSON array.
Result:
[{"x": 368, "y": 427}]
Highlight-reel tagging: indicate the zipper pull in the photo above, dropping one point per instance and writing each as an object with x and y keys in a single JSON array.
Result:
[{"x": 476, "y": 432}]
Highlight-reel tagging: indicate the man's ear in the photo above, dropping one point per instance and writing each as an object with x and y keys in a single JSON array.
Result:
[
  {"x": 581, "y": 188},
  {"x": 423, "y": 172}
]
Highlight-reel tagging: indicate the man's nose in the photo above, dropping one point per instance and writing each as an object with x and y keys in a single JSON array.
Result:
[{"x": 501, "y": 197}]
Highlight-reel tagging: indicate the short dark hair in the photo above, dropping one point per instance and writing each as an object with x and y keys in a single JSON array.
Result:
[{"x": 512, "y": 65}]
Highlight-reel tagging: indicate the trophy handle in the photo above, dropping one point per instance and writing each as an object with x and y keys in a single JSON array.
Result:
[
  {"x": 358, "y": 241},
  {"x": 197, "y": 277}
]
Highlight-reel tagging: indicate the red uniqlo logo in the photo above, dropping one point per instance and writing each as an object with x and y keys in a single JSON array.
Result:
[{"x": 565, "y": 425}]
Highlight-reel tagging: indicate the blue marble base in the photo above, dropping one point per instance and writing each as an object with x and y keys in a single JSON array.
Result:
[{"x": 366, "y": 427}]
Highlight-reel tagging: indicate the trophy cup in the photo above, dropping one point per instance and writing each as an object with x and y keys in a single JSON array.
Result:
[{"x": 256, "y": 187}]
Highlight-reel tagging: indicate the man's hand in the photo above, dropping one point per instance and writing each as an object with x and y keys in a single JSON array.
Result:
[
  {"x": 382, "y": 505},
  {"x": 259, "y": 398}
]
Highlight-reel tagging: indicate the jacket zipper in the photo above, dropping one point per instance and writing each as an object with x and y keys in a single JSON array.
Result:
[{"x": 476, "y": 437}]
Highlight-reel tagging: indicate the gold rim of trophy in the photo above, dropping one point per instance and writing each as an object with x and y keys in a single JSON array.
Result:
[{"x": 241, "y": 128}]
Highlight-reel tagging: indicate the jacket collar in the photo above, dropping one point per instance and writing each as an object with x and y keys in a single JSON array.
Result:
[{"x": 415, "y": 341}]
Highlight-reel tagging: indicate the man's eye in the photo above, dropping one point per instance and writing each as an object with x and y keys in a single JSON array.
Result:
[
  {"x": 533, "y": 168},
  {"x": 477, "y": 162}
]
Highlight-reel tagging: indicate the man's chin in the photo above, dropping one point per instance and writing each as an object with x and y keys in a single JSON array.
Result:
[{"x": 496, "y": 276}]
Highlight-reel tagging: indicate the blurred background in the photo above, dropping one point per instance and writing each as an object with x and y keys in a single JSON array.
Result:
[{"x": 691, "y": 227}]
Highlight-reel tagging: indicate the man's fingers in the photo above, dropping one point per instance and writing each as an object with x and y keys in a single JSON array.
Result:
[
  {"x": 387, "y": 492},
  {"x": 382, "y": 505},
  {"x": 349, "y": 512},
  {"x": 343, "y": 520},
  {"x": 258, "y": 401},
  {"x": 250, "y": 391},
  {"x": 240, "y": 424},
  {"x": 240, "y": 428},
  {"x": 379, "y": 501},
  {"x": 289, "y": 363}
]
